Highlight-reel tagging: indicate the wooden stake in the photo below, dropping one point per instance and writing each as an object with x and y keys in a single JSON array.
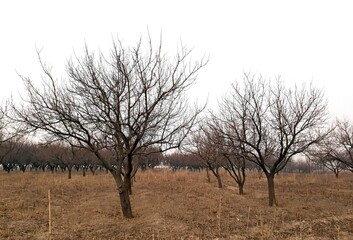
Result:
[
  {"x": 219, "y": 216},
  {"x": 248, "y": 220},
  {"x": 49, "y": 214}
]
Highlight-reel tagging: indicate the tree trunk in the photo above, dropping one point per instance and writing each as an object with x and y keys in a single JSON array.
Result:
[
  {"x": 125, "y": 201},
  {"x": 128, "y": 182},
  {"x": 242, "y": 176},
  {"x": 241, "y": 188},
  {"x": 124, "y": 196},
  {"x": 219, "y": 181},
  {"x": 208, "y": 176},
  {"x": 127, "y": 175},
  {"x": 271, "y": 189},
  {"x": 70, "y": 170}
]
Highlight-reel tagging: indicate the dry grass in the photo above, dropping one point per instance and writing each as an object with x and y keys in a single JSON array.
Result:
[{"x": 179, "y": 205}]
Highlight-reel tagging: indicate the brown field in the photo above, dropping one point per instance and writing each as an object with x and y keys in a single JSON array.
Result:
[{"x": 179, "y": 205}]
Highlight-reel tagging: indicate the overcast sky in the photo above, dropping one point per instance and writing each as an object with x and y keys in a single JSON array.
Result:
[{"x": 302, "y": 41}]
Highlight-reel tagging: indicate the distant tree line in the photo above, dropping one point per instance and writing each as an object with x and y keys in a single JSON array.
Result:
[
  {"x": 27, "y": 156},
  {"x": 55, "y": 157}
]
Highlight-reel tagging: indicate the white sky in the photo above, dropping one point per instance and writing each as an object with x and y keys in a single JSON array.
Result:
[{"x": 302, "y": 41}]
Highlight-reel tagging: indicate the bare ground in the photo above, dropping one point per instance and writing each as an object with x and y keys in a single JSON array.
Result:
[{"x": 175, "y": 205}]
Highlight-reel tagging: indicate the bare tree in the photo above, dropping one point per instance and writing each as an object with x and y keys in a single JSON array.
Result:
[
  {"x": 2, "y": 122},
  {"x": 147, "y": 158},
  {"x": 119, "y": 104},
  {"x": 208, "y": 147},
  {"x": 235, "y": 162},
  {"x": 45, "y": 157},
  {"x": 321, "y": 158},
  {"x": 11, "y": 134},
  {"x": 21, "y": 155},
  {"x": 64, "y": 156},
  {"x": 339, "y": 145},
  {"x": 230, "y": 154},
  {"x": 4, "y": 150},
  {"x": 183, "y": 160},
  {"x": 272, "y": 122}
]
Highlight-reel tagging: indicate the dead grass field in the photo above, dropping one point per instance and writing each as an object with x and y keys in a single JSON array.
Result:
[{"x": 179, "y": 205}]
